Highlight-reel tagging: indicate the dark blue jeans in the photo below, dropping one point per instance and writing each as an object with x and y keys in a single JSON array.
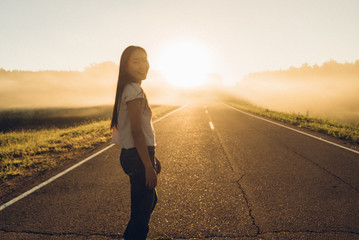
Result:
[{"x": 143, "y": 199}]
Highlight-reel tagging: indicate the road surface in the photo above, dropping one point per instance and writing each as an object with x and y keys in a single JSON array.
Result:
[{"x": 226, "y": 175}]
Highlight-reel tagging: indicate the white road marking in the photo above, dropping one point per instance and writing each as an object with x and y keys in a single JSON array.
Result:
[
  {"x": 5, "y": 205},
  {"x": 170, "y": 113},
  {"x": 25, "y": 194},
  {"x": 211, "y": 125},
  {"x": 295, "y": 130}
]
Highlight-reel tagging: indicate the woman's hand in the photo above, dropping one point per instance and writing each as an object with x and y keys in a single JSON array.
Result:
[
  {"x": 134, "y": 112},
  {"x": 151, "y": 178},
  {"x": 158, "y": 166}
]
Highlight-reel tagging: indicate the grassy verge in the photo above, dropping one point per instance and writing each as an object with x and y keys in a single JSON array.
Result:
[
  {"x": 33, "y": 152},
  {"x": 347, "y": 132}
]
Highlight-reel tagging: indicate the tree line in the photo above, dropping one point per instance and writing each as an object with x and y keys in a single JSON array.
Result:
[{"x": 330, "y": 70}]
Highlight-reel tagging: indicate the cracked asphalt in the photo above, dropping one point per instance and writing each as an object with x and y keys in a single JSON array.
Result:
[{"x": 244, "y": 179}]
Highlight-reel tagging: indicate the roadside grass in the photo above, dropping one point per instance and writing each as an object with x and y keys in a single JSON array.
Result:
[
  {"x": 34, "y": 151},
  {"x": 347, "y": 132}
]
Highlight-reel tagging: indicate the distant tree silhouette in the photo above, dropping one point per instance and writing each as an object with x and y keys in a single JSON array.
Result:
[{"x": 329, "y": 70}]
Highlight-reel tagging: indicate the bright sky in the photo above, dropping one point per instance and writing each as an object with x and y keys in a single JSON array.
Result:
[{"x": 234, "y": 37}]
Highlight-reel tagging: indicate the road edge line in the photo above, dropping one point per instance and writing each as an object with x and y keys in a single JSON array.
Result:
[
  {"x": 23, "y": 195},
  {"x": 293, "y": 129},
  {"x": 27, "y": 193},
  {"x": 170, "y": 113}
]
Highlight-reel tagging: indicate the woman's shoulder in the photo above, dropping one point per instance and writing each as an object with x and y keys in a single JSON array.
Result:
[
  {"x": 132, "y": 91},
  {"x": 133, "y": 87}
]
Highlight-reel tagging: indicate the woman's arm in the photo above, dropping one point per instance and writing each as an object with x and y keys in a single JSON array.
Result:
[{"x": 134, "y": 112}]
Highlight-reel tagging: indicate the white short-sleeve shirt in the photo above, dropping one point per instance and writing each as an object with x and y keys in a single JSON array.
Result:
[{"x": 123, "y": 135}]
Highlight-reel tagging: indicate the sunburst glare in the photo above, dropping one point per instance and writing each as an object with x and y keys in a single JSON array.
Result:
[{"x": 185, "y": 64}]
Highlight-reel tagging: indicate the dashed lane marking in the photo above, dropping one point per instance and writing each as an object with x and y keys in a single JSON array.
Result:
[{"x": 211, "y": 125}]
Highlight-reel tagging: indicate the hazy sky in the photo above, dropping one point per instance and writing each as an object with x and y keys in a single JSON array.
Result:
[{"x": 235, "y": 37}]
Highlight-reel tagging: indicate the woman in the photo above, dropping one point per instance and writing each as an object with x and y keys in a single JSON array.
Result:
[{"x": 133, "y": 130}]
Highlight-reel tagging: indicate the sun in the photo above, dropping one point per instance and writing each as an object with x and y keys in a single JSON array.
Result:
[{"x": 185, "y": 64}]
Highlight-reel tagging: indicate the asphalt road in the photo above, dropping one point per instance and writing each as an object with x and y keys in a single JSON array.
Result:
[{"x": 245, "y": 178}]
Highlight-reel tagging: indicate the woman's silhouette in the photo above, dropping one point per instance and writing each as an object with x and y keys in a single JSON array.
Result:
[{"x": 133, "y": 130}]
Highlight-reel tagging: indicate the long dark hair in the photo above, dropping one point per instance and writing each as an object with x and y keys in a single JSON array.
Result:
[{"x": 123, "y": 79}]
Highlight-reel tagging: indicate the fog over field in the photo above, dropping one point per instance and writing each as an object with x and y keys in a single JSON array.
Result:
[
  {"x": 94, "y": 86},
  {"x": 25, "y": 89},
  {"x": 329, "y": 91}
]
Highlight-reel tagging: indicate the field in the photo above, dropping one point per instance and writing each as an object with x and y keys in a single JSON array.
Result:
[
  {"x": 44, "y": 118},
  {"x": 347, "y": 132},
  {"x": 35, "y": 141}
]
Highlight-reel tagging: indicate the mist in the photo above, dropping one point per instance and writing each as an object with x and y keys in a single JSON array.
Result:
[
  {"x": 94, "y": 86},
  {"x": 25, "y": 89},
  {"x": 329, "y": 91}
]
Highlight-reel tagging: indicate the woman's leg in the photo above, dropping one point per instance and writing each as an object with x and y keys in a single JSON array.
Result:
[{"x": 143, "y": 201}]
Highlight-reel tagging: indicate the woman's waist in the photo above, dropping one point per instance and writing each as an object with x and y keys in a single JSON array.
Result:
[
  {"x": 133, "y": 153},
  {"x": 150, "y": 148}
]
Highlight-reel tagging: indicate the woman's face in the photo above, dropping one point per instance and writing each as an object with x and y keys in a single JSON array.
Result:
[{"x": 138, "y": 65}]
